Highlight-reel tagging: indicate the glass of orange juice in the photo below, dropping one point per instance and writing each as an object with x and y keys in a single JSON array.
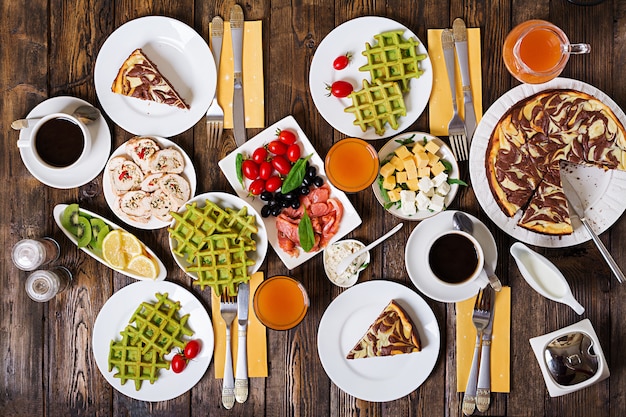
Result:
[
  {"x": 536, "y": 51},
  {"x": 280, "y": 302},
  {"x": 351, "y": 165}
]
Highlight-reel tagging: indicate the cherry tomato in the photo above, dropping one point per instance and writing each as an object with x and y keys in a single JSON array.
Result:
[
  {"x": 257, "y": 186},
  {"x": 192, "y": 348},
  {"x": 178, "y": 363},
  {"x": 273, "y": 183},
  {"x": 259, "y": 155},
  {"x": 250, "y": 169},
  {"x": 281, "y": 164},
  {"x": 277, "y": 147},
  {"x": 293, "y": 152},
  {"x": 341, "y": 61},
  {"x": 340, "y": 89},
  {"x": 286, "y": 136},
  {"x": 265, "y": 170}
]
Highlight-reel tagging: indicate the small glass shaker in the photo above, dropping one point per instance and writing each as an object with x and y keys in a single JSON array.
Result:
[
  {"x": 30, "y": 254},
  {"x": 44, "y": 284}
]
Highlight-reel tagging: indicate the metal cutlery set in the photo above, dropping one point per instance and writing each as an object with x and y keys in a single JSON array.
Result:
[
  {"x": 459, "y": 132},
  {"x": 215, "y": 113}
]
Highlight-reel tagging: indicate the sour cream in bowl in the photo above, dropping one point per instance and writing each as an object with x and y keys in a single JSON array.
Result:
[{"x": 335, "y": 253}]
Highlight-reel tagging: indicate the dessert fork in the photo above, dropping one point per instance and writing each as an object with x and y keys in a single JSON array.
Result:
[
  {"x": 228, "y": 310},
  {"x": 456, "y": 128},
  {"x": 480, "y": 319},
  {"x": 215, "y": 113}
]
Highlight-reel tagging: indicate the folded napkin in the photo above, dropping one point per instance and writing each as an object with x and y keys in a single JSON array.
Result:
[
  {"x": 252, "y": 65},
  {"x": 257, "y": 340},
  {"x": 500, "y": 343},
  {"x": 440, "y": 104}
]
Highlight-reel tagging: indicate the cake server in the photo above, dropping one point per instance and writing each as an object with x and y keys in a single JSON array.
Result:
[
  {"x": 236, "y": 30},
  {"x": 460, "y": 42},
  {"x": 576, "y": 204},
  {"x": 241, "y": 371}
]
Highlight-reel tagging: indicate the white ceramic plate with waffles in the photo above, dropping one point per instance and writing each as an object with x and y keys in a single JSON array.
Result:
[
  {"x": 113, "y": 318},
  {"x": 225, "y": 200},
  {"x": 350, "y": 37}
]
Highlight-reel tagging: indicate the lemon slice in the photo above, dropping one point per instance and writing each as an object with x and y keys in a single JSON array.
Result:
[
  {"x": 112, "y": 249},
  {"x": 144, "y": 266},
  {"x": 130, "y": 244}
]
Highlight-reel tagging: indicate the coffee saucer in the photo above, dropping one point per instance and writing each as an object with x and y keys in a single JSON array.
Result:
[
  {"x": 81, "y": 173},
  {"x": 415, "y": 254}
]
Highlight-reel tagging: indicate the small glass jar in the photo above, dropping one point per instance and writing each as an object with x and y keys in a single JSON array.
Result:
[
  {"x": 30, "y": 254},
  {"x": 44, "y": 285}
]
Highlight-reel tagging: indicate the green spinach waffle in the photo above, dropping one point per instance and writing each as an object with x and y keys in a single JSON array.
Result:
[
  {"x": 376, "y": 105},
  {"x": 152, "y": 332}
]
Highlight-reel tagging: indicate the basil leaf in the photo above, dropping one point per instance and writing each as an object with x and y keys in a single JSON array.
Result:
[
  {"x": 406, "y": 141},
  {"x": 295, "y": 176},
  {"x": 447, "y": 165},
  {"x": 305, "y": 232},
  {"x": 238, "y": 165},
  {"x": 457, "y": 181}
]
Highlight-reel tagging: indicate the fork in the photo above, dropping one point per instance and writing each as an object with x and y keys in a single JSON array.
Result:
[
  {"x": 215, "y": 113},
  {"x": 480, "y": 319},
  {"x": 228, "y": 311},
  {"x": 456, "y": 128}
]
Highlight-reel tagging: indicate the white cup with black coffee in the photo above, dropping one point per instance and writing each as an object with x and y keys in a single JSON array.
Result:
[
  {"x": 456, "y": 258},
  {"x": 58, "y": 141}
]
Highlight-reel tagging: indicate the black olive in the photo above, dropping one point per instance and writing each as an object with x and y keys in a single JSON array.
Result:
[
  {"x": 306, "y": 181},
  {"x": 304, "y": 190},
  {"x": 266, "y": 211},
  {"x": 276, "y": 211},
  {"x": 318, "y": 181},
  {"x": 311, "y": 172},
  {"x": 290, "y": 196},
  {"x": 295, "y": 204},
  {"x": 285, "y": 203},
  {"x": 273, "y": 203},
  {"x": 267, "y": 196}
]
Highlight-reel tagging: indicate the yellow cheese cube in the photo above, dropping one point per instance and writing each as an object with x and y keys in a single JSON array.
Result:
[
  {"x": 394, "y": 195},
  {"x": 401, "y": 177},
  {"x": 397, "y": 162},
  {"x": 413, "y": 184},
  {"x": 437, "y": 169},
  {"x": 389, "y": 183},
  {"x": 432, "y": 159},
  {"x": 432, "y": 147},
  {"x": 387, "y": 170},
  {"x": 403, "y": 152},
  {"x": 418, "y": 147},
  {"x": 423, "y": 172},
  {"x": 411, "y": 169},
  {"x": 421, "y": 159}
]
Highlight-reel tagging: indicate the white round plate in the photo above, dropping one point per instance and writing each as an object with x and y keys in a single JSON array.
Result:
[
  {"x": 347, "y": 319},
  {"x": 57, "y": 212},
  {"x": 415, "y": 257},
  {"x": 81, "y": 173},
  {"x": 444, "y": 152},
  {"x": 113, "y": 318},
  {"x": 350, "y": 37},
  {"x": 603, "y": 192},
  {"x": 225, "y": 200},
  {"x": 181, "y": 55},
  {"x": 189, "y": 173}
]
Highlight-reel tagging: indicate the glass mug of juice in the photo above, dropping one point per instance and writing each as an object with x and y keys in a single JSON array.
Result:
[
  {"x": 351, "y": 165},
  {"x": 536, "y": 51},
  {"x": 280, "y": 302}
]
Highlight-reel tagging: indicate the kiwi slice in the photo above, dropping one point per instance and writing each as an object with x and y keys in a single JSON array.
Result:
[
  {"x": 69, "y": 218},
  {"x": 96, "y": 242},
  {"x": 83, "y": 231}
]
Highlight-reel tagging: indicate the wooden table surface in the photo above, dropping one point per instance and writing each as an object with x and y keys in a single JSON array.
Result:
[{"x": 49, "y": 49}]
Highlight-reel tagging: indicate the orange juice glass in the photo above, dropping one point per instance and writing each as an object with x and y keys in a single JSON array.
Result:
[
  {"x": 280, "y": 302},
  {"x": 352, "y": 165},
  {"x": 536, "y": 51}
]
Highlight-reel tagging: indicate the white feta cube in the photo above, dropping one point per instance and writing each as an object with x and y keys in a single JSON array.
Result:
[
  {"x": 430, "y": 193},
  {"x": 407, "y": 201},
  {"x": 439, "y": 179},
  {"x": 425, "y": 184},
  {"x": 422, "y": 201},
  {"x": 436, "y": 203},
  {"x": 443, "y": 189}
]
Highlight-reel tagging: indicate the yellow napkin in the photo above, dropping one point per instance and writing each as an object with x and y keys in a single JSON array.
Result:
[
  {"x": 500, "y": 344},
  {"x": 257, "y": 340},
  {"x": 254, "y": 101},
  {"x": 440, "y": 104}
]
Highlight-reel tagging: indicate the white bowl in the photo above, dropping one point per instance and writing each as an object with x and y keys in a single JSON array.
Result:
[{"x": 351, "y": 275}]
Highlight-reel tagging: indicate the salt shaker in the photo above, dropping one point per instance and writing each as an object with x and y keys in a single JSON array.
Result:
[
  {"x": 43, "y": 285},
  {"x": 30, "y": 254}
]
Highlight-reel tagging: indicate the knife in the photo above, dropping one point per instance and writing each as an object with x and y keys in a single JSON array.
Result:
[
  {"x": 241, "y": 373},
  {"x": 236, "y": 28},
  {"x": 483, "y": 389},
  {"x": 576, "y": 204},
  {"x": 460, "y": 42}
]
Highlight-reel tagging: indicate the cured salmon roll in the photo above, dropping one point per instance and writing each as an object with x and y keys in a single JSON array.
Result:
[
  {"x": 125, "y": 175},
  {"x": 142, "y": 149}
]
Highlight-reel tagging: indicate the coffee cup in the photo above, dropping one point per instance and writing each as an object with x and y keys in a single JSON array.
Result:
[
  {"x": 536, "y": 51},
  {"x": 456, "y": 258},
  {"x": 58, "y": 141}
]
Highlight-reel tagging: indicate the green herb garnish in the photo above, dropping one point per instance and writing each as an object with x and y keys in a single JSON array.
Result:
[
  {"x": 238, "y": 165},
  {"x": 295, "y": 176},
  {"x": 305, "y": 232}
]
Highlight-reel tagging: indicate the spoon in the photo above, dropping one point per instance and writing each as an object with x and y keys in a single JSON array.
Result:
[
  {"x": 462, "y": 222},
  {"x": 543, "y": 276},
  {"x": 343, "y": 265},
  {"x": 86, "y": 114}
]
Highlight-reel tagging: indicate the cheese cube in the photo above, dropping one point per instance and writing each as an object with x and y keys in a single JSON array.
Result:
[
  {"x": 437, "y": 168},
  {"x": 401, "y": 177},
  {"x": 394, "y": 195},
  {"x": 387, "y": 170},
  {"x": 389, "y": 183},
  {"x": 433, "y": 159},
  {"x": 418, "y": 147},
  {"x": 413, "y": 184},
  {"x": 407, "y": 200},
  {"x": 422, "y": 201},
  {"x": 397, "y": 162},
  {"x": 421, "y": 159},
  {"x": 425, "y": 184},
  {"x": 402, "y": 152},
  {"x": 443, "y": 189},
  {"x": 436, "y": 203},
  {"x": 409, "y": 166},
  {"x": 432, "y": 147},
  {"x": 439, "y": 179},
  {"x": 423, "y": 172}
]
